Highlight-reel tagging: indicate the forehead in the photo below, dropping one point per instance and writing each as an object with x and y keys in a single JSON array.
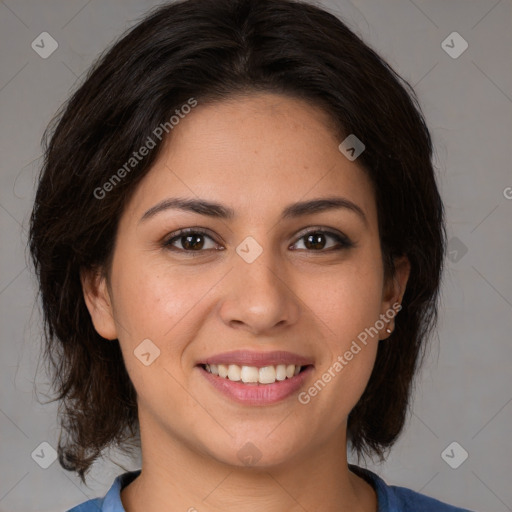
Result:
[{"x": 254, "y": 153}]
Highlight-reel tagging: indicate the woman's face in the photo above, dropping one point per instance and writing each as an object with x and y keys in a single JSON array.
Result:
[{"x": 272, "y": 284}]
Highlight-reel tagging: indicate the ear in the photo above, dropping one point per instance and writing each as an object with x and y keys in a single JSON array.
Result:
[
  {"x": 393, "y": 292},
  {"x": 99, "y": 303}
]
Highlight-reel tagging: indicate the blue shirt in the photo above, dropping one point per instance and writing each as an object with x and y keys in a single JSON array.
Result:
[{"x": 390, "y": 498}]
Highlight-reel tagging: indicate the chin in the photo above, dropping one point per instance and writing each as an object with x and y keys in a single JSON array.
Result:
[{"x": 255, "y": 451}]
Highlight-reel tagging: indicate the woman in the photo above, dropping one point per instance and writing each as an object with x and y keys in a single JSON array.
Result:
[{"x": 239, "y": 242}]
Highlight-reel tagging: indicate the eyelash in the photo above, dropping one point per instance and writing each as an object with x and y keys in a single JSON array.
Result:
[{"x": 343, "y": 241}]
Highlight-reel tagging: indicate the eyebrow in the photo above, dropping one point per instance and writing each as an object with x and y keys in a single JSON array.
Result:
[{"x": 219, "y": 211}]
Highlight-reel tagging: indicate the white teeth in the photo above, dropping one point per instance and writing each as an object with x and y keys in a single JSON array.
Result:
[
  {"x": 234, "y": 372},
  {"x": 267, "y": 375},
  {"x": 253, "y": 374},
  {"x": 281, "y": 372},
  {"x": 249, "y": 374},
  {"x": 223, "y": 370}
]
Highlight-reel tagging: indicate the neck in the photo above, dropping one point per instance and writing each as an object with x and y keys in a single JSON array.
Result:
[{"x": 177, "y": 477}]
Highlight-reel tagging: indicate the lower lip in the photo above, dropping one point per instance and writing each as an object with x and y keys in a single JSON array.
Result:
[{"x": 257, "y": 394}]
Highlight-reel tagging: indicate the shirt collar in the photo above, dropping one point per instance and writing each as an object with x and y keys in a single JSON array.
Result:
[
  {"x": 112, "y": 502},
  {"x": 386, "y": 501}
]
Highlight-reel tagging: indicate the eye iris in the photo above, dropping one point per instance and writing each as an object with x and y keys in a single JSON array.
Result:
[
  {"x": 193, "y": 241},
  {"x": 314, "y": 241}
]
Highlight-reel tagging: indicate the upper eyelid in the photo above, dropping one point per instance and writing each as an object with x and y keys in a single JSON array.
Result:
[
  {"x": 186, "y": 231},
  {"x": 315, "y": 229}
]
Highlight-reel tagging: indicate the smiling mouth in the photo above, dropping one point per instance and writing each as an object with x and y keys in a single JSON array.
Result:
[{"x": 254, "y": 375}]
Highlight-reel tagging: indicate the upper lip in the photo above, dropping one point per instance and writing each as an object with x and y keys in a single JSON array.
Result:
[{"x": 259, "y": 359}]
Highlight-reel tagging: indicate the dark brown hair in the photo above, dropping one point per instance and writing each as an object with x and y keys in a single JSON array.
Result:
[{"x": 211, "y": 50}]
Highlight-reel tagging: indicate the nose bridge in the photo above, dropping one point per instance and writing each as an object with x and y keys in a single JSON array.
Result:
[
  {"x": 261, "y": 277},
  {"x": 258, "y": 295}
]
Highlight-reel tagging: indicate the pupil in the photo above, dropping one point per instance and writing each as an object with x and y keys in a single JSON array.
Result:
[
  {"x": 193, "y": 242},
  {"x": 316, "y": 241}
]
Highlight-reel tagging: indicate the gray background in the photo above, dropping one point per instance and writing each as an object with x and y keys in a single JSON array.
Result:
[{"x": 464, "y": 392}]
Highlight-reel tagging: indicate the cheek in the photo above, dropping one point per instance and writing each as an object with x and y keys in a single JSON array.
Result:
[
  {"x": 158, "y": 301},
  {"x": 348, "y": 299},
  {"x": 348, "y": 304},
  {"x": 165, "y": 305},
  {"x": 156, "y": 304},
  {"x": 348, "y": 351}
]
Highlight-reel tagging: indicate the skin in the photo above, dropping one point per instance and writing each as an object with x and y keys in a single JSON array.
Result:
[{"x": 256, "y": 154}]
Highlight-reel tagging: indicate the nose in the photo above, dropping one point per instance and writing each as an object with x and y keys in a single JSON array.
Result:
[{"x": 259, "y": 297}]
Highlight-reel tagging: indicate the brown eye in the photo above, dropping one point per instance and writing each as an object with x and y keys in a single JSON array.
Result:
[
  {"x": 316, "y": 241},
  {"x": 192, "y": 240}
]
